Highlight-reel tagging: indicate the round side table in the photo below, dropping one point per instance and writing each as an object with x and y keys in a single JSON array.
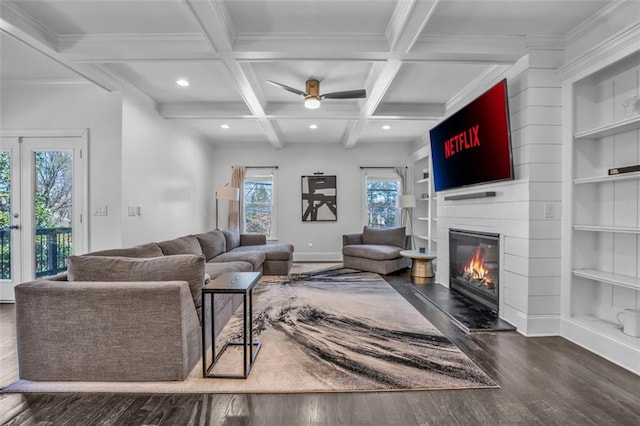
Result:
[{"x": 421, "y": 265}]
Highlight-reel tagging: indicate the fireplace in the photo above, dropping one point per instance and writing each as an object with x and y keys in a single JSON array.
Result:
[{"x": 474, "y": 269}]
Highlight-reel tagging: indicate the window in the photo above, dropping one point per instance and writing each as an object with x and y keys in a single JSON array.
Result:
[
  {"x": 383, "y": 190},
  {"x": 259, "y": 202}
]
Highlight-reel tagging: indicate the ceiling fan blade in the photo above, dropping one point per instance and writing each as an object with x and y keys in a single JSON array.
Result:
[
  {"x": 287, "y": 88},
  {"x": 348, "y": 94}
]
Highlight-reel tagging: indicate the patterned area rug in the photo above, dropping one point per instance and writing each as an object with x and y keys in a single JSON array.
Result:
[{"x": 329, "y": 331}]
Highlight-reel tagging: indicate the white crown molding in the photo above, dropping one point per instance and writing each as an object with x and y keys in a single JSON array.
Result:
[
  {"x": 341, "y": 110},
  {"x": 498, "y": 49},
  {"x": 40, "y": 83},
  {"x": 408, "y": 111},
  {"x": 624, "y": 43},
  {"x": 11, "y": 12},
  {"x": 596, "y": 20},
  {"x": 309, "y": 44},
  {"x": 117, "y": 83},
  {"x": 544, "y": 42},
  {"x": 204, "y": 110}
]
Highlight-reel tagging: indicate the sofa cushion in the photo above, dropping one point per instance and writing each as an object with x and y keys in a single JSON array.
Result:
[
  {"x": 189, "y": 268},
  {"x": 141, "y": 251},
  {"x": 213, "y": 243},
  {"x": 232, "y": 238},
  {"x": 256, "y": 258},
  {"x": 216, "y": 269},
  {"x": 372, "y": 251},
  {"x": 279, "y": 251},
  {"x": 386, "y": 237},
  {"x": 183, "y": 245}
]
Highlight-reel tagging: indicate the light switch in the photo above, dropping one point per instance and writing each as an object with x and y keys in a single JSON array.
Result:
[
  {"x": 100, "y": 210},
  {"x": 133, "y": 211}
]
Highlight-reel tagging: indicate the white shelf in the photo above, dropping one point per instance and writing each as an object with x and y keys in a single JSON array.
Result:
[
  {"x": 612, "y": 178},
  {"x": 425, "y": 180},
  {"x": 608, "y": 277},
  {"x": 610, "y": 329},
  {"x": 423, "y": 237},
  {"x": 422, "y": 218},
  {"x": 610, "y": 129},
  {"x": 617, "y": 229}
]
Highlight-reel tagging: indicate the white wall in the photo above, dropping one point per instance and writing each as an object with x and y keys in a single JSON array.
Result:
[
  {"x": 296, "y": 160},
  {"x": 166, "y": 172},
  {"x": 530, "y": 241},
  {"x": 79, "y": 107}
]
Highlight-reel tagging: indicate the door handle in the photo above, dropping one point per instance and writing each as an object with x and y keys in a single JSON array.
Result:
[{"x": 14, "y": 227}]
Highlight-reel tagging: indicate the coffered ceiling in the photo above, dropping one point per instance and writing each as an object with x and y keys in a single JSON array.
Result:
[{"x": 411, "y": 56}]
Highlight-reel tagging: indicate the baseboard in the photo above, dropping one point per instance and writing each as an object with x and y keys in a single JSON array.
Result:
[
  {"x": 317, "y": 257},
  {"x": 543, "y": 325}
]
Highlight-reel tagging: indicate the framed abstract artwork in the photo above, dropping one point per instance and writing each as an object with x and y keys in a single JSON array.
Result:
[{"x": 319, "y": 199}]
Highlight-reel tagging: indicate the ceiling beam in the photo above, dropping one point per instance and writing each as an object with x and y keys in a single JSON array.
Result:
[
  {"x": 405, "y": 27},
  {"x": 218, "y": 28}
]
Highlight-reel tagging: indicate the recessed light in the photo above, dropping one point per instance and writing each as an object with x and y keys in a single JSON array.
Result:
[
  {"x": 182, "y": 82},
  {"x": 386, "y": 127},
  {"x": 224, "y": 126},
  {"x": 313, "y": 126}
]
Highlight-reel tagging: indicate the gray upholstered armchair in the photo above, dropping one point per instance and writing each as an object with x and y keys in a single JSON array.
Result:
[{"x": 376, "y": 250}]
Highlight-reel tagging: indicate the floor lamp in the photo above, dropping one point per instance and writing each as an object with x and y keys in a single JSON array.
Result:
[
  {"x": 407, "y": 204},
  {"x": 226, "y": 193}
]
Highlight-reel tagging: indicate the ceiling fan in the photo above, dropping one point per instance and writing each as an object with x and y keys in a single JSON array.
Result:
[{"x": 312, "y": 96}]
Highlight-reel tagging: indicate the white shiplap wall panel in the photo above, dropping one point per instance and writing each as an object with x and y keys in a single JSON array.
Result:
[{"x": 535, "y": 113}]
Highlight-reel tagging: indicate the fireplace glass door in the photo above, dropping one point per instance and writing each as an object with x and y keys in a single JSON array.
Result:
[{"x": 474, "y": 266}]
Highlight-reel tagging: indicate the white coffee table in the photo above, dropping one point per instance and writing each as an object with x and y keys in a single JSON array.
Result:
[{"x": 421, "y": 265}]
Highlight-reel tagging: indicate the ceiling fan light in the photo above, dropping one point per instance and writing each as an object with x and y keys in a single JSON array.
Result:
[{"x": 311, "y": 102}]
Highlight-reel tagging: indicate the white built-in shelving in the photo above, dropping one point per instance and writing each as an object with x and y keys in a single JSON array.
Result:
[
  {"x": 425, "y": 212},
  {"x": 602, "y": 226}
]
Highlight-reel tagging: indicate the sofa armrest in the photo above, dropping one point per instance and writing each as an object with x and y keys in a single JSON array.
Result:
[
  {"x": 253, "y": 239},
  {"x": 351, "y": 239},
  {"x": 106, "y": 331}
]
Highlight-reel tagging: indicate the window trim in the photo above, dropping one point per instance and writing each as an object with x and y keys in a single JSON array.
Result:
[{"x": 380, "y": 175}]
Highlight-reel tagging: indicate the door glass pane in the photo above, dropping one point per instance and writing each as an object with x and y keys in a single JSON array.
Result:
[
  {"x": 53, "y": 211},
  {"x": 5, "y": 215}
]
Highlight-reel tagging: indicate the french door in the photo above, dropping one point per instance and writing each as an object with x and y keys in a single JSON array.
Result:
[{"x": 42, "y": 206}]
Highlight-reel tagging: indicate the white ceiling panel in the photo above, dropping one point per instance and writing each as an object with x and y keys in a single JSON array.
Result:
[
  {"x": 431, "y": 82},
  {"x": 308, "y": 17},
  {"x": 298, "y": 131},
  {"x": 209, "y": 80},
  {"x": 110, "y": 16},
  {"x": 510, "y": 17}
]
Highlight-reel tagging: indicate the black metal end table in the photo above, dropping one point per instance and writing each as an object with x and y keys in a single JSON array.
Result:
[{"x": 231, "y": 283}]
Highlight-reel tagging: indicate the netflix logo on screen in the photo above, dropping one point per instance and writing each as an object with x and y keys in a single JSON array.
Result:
[{"x": 473, "y": 146}]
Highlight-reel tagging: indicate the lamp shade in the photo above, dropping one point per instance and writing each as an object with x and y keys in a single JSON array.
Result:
[
  {"x": 228, "y": 193},
  {"x": 407, "y": 201}
]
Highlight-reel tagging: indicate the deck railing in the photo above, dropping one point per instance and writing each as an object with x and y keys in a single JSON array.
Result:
[{"x": 53, "y": 246}]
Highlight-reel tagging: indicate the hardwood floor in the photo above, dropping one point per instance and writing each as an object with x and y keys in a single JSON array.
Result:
[{"x": 545, "y": 380}]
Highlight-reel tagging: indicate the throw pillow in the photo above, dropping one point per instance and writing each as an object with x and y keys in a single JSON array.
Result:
[
  {"x": 183, "y": 245},
  {"x": 232, "y": 238},
  {"x": 184, "y": 267},
  {"x": 213, "y": 243},
  {"x": 386, "y": 237}
]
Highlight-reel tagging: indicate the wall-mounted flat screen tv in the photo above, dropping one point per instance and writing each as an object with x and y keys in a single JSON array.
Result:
[{"x": 473, "y": 146}]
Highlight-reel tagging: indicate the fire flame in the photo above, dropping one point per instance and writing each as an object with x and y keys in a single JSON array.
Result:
[{"x": 475, "y": 269}]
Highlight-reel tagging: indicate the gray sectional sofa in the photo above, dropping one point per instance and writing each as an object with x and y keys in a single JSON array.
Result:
[
  {"x": 133, "y": 314},
  {"x": 376, "y": 250}
]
